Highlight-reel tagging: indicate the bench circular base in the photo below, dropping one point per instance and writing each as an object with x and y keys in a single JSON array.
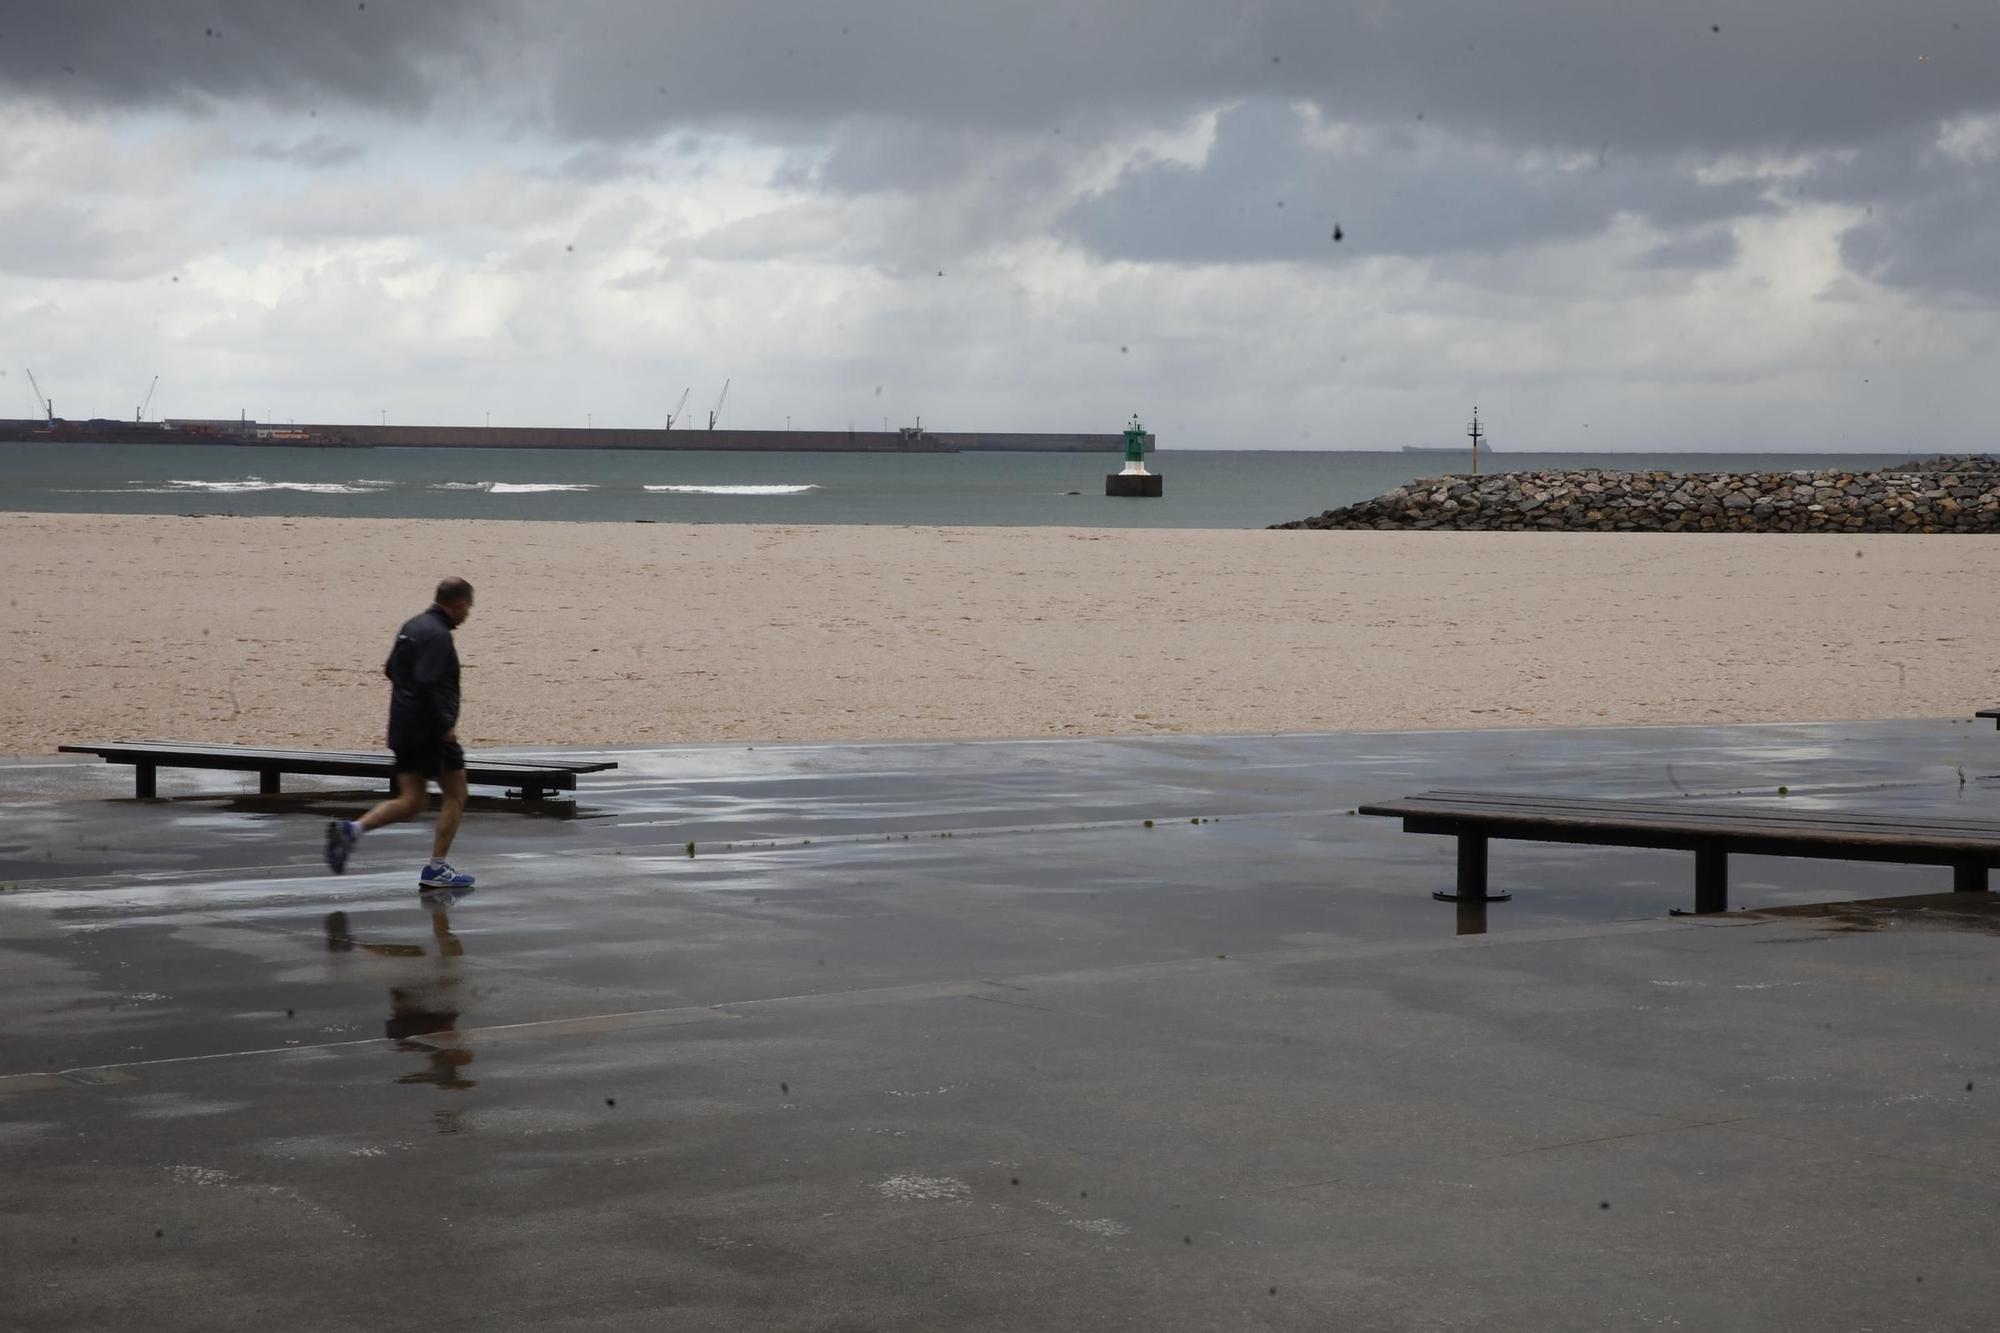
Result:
[{"x": 1445, "y": 897}]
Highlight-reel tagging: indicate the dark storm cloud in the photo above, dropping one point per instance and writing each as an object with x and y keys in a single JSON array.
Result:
[
  {"x": 1927, "y": 216},
  {"x": 1266, "y": 193},
  {"x": 1778, "y": 74},
  {"x": 1941, "y": 239},
  {"x": 117, "y": 53}
]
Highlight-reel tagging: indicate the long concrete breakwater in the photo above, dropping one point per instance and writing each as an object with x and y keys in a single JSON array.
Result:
[
  {"x": 362, "y": 436},
  {"x": 1951, "y": 494}
]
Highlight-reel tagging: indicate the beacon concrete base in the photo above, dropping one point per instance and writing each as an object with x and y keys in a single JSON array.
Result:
[{"x": 1143, "y": 485}]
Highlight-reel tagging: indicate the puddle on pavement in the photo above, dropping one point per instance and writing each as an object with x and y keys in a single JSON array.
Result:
[{"x": 1975, "y": 912}]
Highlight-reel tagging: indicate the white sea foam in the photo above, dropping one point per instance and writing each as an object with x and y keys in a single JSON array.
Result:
[
  {"x": 249, "y": 484},
  {"x": 735, "y": 490},
  {"x": 510, "y": 487}
]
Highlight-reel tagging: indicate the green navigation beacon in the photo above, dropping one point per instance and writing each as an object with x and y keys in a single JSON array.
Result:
[{"x": 1134, "y": 481}]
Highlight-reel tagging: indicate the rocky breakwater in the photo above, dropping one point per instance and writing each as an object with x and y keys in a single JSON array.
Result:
[{"x": 1959, "y": 494}]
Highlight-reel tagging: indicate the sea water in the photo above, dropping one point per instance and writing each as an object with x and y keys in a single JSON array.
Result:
[{"x": 1204, "y": 488}]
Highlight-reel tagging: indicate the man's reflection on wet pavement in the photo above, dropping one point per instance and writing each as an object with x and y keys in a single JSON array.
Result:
[{"x": 423, "y": 1001}]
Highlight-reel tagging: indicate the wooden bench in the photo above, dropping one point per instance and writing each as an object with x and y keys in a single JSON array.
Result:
[
  {"x": 1993, "y": 713},
  {"x": 1711, "y": 832},
  {"x": 534, "y": 779}
]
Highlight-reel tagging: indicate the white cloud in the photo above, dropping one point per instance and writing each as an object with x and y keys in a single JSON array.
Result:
[{"x": 1972, "y": 140}]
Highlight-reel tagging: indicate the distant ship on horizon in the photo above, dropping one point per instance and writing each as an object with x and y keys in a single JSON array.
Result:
[{"x": 1444, "y": 449}]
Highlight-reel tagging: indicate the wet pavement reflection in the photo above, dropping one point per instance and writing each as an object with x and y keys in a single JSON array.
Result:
[{"x": 424, "y": 1000}]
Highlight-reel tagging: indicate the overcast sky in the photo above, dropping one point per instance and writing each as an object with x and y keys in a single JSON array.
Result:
[{"x": 1331, "y": 224}]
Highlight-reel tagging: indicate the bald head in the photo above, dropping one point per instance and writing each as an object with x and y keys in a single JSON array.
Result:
[{"x": 455, "y": 596}]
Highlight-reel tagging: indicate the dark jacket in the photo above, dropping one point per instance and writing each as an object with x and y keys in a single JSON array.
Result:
[{"x": 423, "y": 679}]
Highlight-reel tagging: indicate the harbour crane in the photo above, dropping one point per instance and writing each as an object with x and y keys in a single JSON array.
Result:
[
  {"x": 720, "y": 398},
  {"x": 42, "y": 405},
  {"x": 141, "y": 415},
  {"x": 675, "y": 415}
]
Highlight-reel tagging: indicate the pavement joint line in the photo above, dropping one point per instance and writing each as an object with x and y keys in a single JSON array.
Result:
[
  {"x": 1613, "y": 1138},
  {"x": 1164, "y": 820},
  {"x": 672, "y": 1016},
  {"x": 1626, "y": 1109},
  {"x": 1023, "y": 1004},
  {"x": 975, "y": 1235},
  {"x": 924, "y": 990},
  {"x": 77, "y": 1076},
  {"x": 1297, "y": 1185}
]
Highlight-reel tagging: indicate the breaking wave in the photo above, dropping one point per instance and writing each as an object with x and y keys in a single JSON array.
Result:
[
  {"x": 250, "y": 484},
  {"x": 510, "y": 487},
  {"x": 735, "y": 490}
]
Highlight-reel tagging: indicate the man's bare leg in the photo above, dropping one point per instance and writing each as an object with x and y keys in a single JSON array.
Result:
[
  {"x": 407, "y": 803},
  {"x": 452, "y": 784}
]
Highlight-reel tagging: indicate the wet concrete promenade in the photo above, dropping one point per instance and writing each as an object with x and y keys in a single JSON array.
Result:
[{"x": 944, "y": 1036}]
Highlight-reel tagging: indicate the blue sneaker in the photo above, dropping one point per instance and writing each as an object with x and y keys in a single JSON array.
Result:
[
  {"x": 340, "y": 836},
  {"x": 440, "y": 875}
]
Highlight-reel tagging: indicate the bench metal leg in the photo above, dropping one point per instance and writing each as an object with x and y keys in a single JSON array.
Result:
[
  {"x": 1968, "y": 878},
  {"x": 1472, "y": 865},
  {"x": 1711, "y": 879},
  {"x": 267, "y": 782},
  {"x": 1471, "y": 873},
  {"x": 149, "y": 783}
]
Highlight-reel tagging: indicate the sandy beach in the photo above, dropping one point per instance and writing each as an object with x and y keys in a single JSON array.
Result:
[{"x": 274, "y": 629}]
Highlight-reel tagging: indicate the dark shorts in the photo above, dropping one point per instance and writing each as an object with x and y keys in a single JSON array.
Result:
[{"x": 432, "y": 759}]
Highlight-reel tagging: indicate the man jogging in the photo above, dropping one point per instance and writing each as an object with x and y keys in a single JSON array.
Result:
[{"x": 423, "y": 732}]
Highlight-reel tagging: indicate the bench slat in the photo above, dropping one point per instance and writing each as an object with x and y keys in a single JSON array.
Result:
[
  {"x": 176, "y": 754},
  {"x": 1690, "y": 818},
  {"x": 1675, "y": 808},
  {"x": 531, "y": 776}
]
